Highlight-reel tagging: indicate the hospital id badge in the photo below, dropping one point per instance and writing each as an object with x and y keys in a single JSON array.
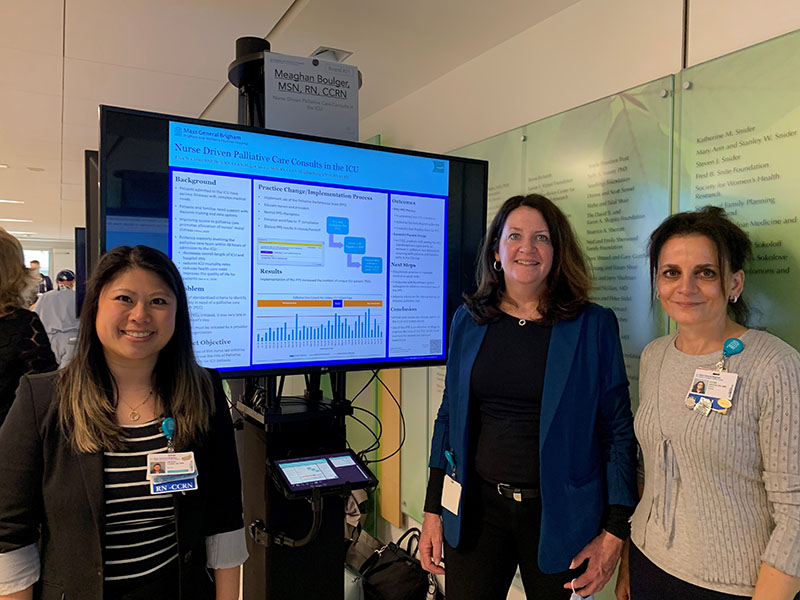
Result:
[
  {"x": 170, "y": 463},
  {"x": 711, "y": 391},
  {"x": 451, "y": 494}
]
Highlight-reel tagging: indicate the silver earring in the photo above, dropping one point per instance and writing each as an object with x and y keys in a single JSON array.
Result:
[
  {"x": 658, "y": 296},
  {"x": 734, "y": 299},
  {"x": 497, "y": 266}
]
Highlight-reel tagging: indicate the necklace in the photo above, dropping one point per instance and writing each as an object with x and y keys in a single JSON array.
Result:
[
  {"x": 522, "y": 320},
  {"x": 134, "y": 415}
]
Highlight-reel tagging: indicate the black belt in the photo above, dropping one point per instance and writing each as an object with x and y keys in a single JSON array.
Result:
[{"x": 515, "y": 493}]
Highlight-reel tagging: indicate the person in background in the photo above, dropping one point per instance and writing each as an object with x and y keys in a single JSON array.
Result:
[
  {"x": 719, "y": 516},
  {"x": 45, "y": 284},
  {"x": 56, "y": 309},
  {"x": 65, "y": 280},
  {"x": 533, "y": 458},
  {"x": 24, "y": 346},
  {"x": 78, "y": 517}
]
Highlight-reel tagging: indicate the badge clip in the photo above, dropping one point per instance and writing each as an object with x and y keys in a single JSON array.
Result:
[
  {"x": 168, "y": 427},
  {"x": 729, "y": 348},
  {"x": 451, "y": 461}
]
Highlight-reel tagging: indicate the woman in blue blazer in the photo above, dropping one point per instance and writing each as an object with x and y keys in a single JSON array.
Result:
[{"x": 533, "y": 460}]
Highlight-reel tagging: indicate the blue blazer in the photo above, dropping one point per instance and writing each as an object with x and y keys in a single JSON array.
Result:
[{"x": 587, "y": 449}]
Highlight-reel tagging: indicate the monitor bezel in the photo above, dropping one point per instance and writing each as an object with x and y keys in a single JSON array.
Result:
[{"x": 105, "y": 112}]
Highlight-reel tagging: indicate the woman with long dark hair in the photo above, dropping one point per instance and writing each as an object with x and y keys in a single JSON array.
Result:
[
  {"x": 75, "y": 455},
  {"x": 24, "y": 346},
  {"x": 533, "y": 457}
]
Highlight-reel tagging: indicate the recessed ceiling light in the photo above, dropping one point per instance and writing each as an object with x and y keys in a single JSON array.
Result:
[
  {"x": 35, "y": 169},
  {"x": 12, "y": 202},
  {"x": 16, "y": 220},
  {"x": 331, "y": 54},
  {"x": 3, "y": 166},
  {"x": 22, "y": 232}
]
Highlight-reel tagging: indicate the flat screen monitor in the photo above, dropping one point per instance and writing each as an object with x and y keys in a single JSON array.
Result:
[{"x": 299, "y": 254}]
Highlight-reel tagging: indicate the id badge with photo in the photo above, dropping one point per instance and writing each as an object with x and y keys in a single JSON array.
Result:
[
  {"x": 711, "y": 391},
  {"x": 171, "y": 472},
  {"x": 170, "y": 463}
]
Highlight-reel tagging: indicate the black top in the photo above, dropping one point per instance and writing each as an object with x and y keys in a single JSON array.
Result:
[
  {"x": 24, "y": 348},
  {"x": 506, "y": 391}
]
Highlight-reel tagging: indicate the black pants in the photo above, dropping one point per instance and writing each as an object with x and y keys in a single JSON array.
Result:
[
  {"x": 649, "y": 582},
  {"x": 497, "y": 535}
]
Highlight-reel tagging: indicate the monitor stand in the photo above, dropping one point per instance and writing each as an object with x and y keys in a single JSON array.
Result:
[{"x": 289, "y": 427}]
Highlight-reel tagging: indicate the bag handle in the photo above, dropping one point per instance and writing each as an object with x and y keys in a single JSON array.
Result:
[
  {"x": 413, "y": 535},
  {"x": 372, "y": 560},
  {"x": 413, "y": 530}
]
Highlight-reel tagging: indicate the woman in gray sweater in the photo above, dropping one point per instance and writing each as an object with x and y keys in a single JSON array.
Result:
[{"x": 719, "y": 516}]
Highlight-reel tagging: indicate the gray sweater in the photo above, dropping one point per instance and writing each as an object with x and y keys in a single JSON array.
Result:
[{"x": 722, "y": 492}]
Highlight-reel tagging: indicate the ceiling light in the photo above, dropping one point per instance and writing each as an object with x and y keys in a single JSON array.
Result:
[
  {"x": 35, "y": 169},
  {"x": 331, "y": 54},
  {"x": 22, "y": 232},
  {"x": 3, "y": 166},
  {"x": 16, "y": 220},
  {"x": 12, "y": 202}
]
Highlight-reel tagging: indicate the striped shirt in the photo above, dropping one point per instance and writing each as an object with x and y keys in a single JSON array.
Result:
[{"x": 140, "y": 537}]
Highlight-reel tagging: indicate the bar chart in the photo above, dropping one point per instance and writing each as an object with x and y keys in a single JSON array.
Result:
[
  {"x": 352, "y": 326},
  {"x": 291, "y": 329}
]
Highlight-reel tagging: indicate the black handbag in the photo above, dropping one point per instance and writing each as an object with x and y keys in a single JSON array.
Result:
[{"x": 394, "y": 573}]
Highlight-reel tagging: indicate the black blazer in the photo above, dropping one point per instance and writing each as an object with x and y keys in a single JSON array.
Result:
[{"x": 54, "y": 497}]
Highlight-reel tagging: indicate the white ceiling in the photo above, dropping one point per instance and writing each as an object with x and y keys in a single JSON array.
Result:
[{"x": 60, "y": 59}]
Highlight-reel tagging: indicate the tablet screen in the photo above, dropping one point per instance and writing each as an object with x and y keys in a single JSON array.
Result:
[{"x": 327, "y": 471}]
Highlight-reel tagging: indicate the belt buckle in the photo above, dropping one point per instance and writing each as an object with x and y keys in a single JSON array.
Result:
[{"x": 515, "y": 495}]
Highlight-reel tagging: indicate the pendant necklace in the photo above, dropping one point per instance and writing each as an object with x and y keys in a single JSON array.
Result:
[
  {"x": 521, "y": 322},
  {"x": 134, "y": 415}
]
